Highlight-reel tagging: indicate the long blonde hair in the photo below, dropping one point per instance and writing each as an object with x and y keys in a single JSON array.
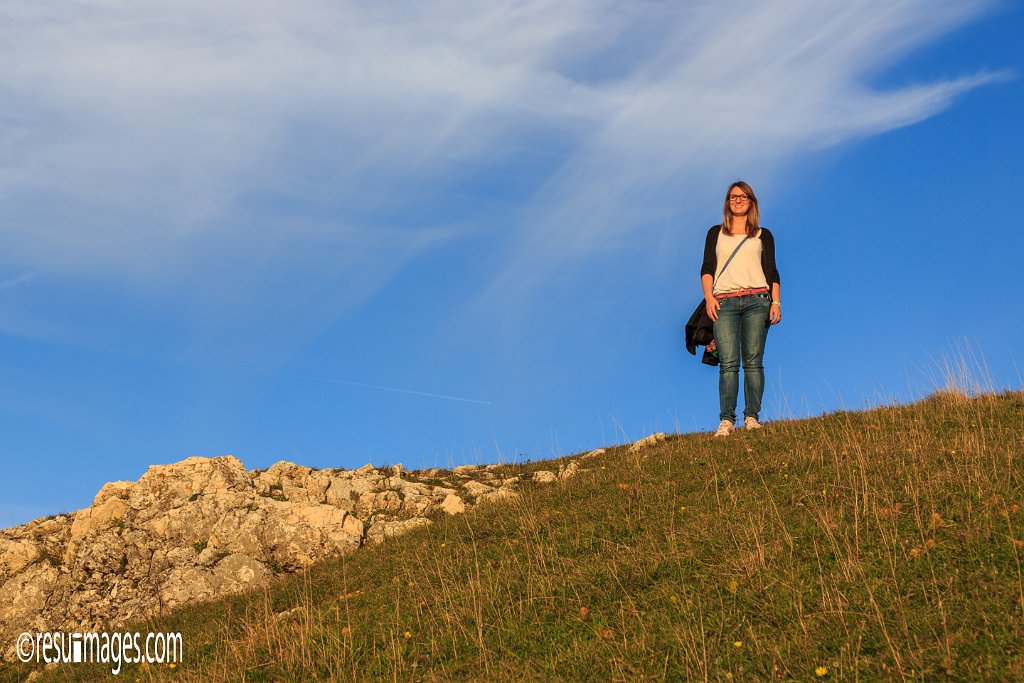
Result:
[{"x": 753, "y": 215}]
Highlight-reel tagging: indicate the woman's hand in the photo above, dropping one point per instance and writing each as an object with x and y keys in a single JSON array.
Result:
[
  {"x": 712, "y": 307},
  {"x": 775, "y": 314}
]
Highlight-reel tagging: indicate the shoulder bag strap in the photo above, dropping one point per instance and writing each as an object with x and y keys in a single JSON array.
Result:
[{"x": 721, "y": 272}]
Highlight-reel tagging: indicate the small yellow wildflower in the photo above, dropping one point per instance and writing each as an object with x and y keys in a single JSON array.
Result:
[
  {"x": 674, "y": 599},
  {"x": 738, "y": 643},
  {"x": 171, "y": 665},
  {"x": 821, "y": 671},
  {"x": 408, "y": 634}
]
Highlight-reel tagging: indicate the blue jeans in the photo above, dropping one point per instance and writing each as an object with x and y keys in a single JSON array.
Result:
[{"x": 740, "y": 332}]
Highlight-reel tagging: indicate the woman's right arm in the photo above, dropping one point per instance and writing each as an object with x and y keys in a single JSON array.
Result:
[
  {"x": 706, "y": 282},
  {"x": 707, "y": 272}
]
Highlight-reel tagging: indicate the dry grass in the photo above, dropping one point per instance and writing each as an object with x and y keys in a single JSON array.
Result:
[{"x": 856, "y": 546}]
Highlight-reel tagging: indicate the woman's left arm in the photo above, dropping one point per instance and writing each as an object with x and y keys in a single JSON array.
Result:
[
  {"x": 772, "y": 275},
  {"x": 775, "y": 312}
]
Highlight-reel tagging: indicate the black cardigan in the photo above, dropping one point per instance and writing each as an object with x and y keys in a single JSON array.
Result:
[{"x": 710, "y": 266}]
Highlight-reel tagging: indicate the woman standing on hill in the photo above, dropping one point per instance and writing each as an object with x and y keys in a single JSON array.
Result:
[{"x": 741, "y": 292}]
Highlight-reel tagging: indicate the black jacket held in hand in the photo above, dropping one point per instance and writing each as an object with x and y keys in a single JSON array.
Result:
[{"x": 699, "y": 329}]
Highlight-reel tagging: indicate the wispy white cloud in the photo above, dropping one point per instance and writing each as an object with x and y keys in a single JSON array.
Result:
[
  {"x": 228, "y": 145},
  {"x": 737, "y": 90}
]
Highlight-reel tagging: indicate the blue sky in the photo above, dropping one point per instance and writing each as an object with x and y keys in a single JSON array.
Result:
[{"x": 447, "y": 232}]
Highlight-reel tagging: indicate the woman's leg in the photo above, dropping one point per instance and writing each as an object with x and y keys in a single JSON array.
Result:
[
  {"x": 727, "y": 337},
  {"x": 754, "y": 331}
]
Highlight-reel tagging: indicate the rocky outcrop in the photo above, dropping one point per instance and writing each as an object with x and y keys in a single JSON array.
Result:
[{"x": 205, "y": 527}]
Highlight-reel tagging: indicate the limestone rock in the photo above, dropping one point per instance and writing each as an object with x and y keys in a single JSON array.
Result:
[
  {"x": 209, "y": 557},
  {"x": 545, "y": 477},
  {"x": 453, "y": 505},
  {"x": 651, "y": 440},
  {"x": 233, "y": 574},
  {"x": 476, "y": 489},
  {"x": 384, "y": 529},
  {"x": 498, "y": 496},
  {"x": 98, "y": 517},
  {"x": 24, "y": 597},
  {"x": 15, "y": 555},
  {"x": 568, "y": 471},
  {"x": 113, "y": 489}
]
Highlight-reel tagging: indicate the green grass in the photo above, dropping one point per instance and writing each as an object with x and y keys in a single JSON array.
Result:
[{"x": 880, "y": 545}]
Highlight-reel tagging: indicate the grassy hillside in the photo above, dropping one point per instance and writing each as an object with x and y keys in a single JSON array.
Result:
[{"x": 856, "y": 546}]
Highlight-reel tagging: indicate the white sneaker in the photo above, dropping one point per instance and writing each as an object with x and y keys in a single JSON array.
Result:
[
  {"x": 724, "y": 428},
  {"x": 751, "y": 423}
]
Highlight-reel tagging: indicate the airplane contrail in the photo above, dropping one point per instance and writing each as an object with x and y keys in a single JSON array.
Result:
[
  {"x": 17, "y": 281},
  {"x": 383, "y": 388}
]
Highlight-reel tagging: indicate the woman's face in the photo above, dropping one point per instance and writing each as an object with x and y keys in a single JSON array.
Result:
[{"x": 739, "y": 202}]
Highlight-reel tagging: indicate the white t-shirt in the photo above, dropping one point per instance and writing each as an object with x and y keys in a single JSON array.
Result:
[{"x": 744, "y": 270}]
